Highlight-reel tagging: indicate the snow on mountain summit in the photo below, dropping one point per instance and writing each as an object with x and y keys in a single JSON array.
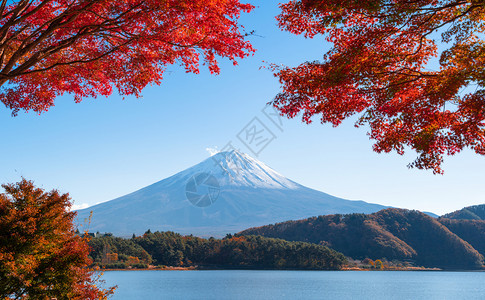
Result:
[
  {"x": 226, "y": 193},
  {"x": 234, "y": 168}
]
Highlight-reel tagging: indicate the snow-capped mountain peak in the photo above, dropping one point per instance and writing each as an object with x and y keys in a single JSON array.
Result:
[
  {"x": 235, "y": 168},
  {"x": 227, "y": 192}
]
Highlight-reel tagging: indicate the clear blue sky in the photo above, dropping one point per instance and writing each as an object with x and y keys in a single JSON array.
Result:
[{"x": 104, "y": 148}]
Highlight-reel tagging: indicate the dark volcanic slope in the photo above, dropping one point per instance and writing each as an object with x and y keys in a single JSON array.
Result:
[
  {"x": 476, "y": 212},
  {"x": 391, "y": 233}
]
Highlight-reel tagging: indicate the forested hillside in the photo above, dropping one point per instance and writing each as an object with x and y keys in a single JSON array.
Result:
[
  {"x": 472, "y": 231},
  {"x": 394, "y": 234},
  {"x": 476, "y": 212},
  {"x": 172, "y": 249}
]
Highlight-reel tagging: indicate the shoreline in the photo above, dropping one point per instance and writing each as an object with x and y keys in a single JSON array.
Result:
[{"x": 192, "y": 268}]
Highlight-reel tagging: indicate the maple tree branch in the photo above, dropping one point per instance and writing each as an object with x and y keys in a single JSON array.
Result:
[
  {"x": 54, "y": 24},
  {"x": 30, "y": 13},
  {"x": 114, "y": 49},
  {"x": 471, "y": 8},
  {"x": 39, "y": 38},
  {"x": 2, "y": 6},
  {"x": 25, "y": 47}
]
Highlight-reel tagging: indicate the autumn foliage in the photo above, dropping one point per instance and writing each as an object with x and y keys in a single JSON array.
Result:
[
  {"x": 394, "y": 234},
  {"x": 232, "y": 252},
  {"x": 90, "y": 47},
  {"x": 40, "y": 255},
  {"x": 411, "y": 70}
]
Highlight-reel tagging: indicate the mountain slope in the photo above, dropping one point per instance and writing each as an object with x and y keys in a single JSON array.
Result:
[
  {"x": 226, "y": 193},
  {"x": 391, "y": 233},
  {"x": 476, "y": 212},
  {"x": 472, "y": 231}
]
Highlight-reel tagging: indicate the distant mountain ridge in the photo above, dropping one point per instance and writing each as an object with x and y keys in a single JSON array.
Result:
[
  {"x": 475, "y": 212},
  {"x": 226, "y": 193},
  {"x": 391, "y": 233}
]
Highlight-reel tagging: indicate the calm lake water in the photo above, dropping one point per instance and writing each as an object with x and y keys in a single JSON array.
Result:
[{"x": 147, "y": 285}]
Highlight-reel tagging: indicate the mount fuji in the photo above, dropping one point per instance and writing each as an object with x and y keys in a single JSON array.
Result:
[{"x": 225, "y": 193}]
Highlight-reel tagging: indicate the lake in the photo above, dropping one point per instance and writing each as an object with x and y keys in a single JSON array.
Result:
[{"x": 245, "y": 284}]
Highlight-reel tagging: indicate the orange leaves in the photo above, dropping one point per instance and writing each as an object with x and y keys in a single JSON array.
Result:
[
  {"x": 379, "y": 67},
  {"x": 40, "y": 256}
]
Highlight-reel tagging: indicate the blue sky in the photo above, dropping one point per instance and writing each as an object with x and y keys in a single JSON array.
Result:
[{"x": 104, "y": 148}]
